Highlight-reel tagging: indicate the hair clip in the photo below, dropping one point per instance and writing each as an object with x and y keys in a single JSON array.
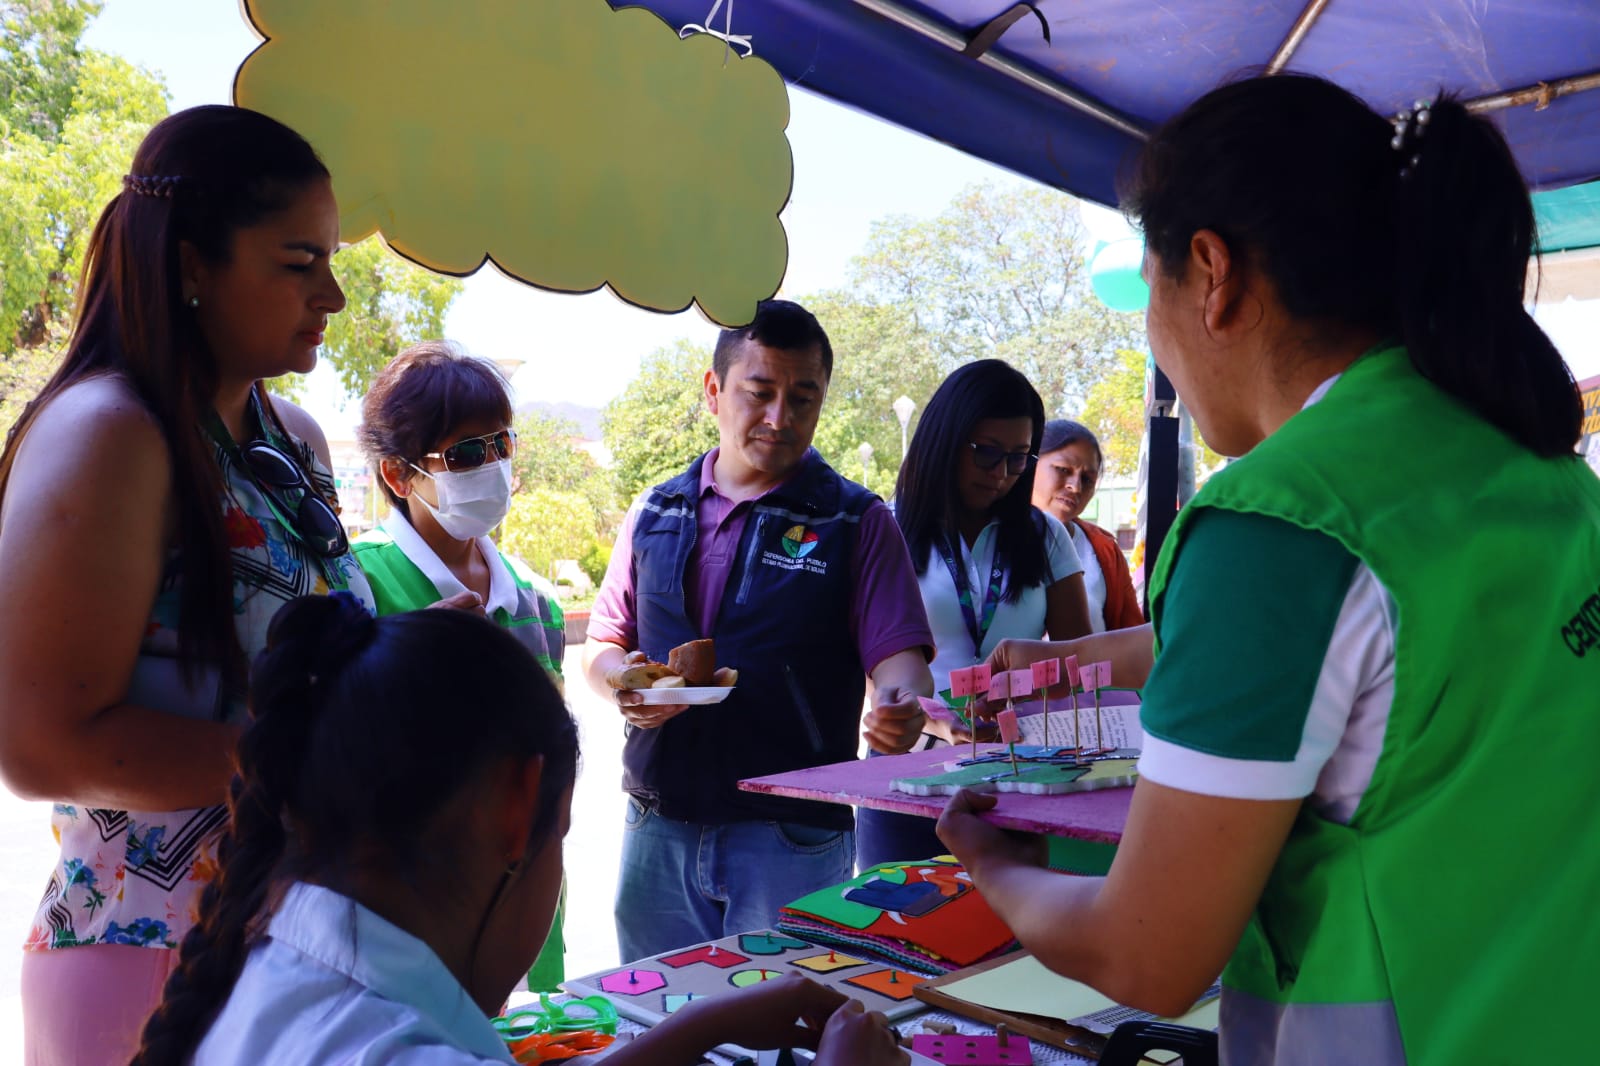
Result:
[
  {"x": 151, "y": 184},
  {"x": 1409, "y": 126}
]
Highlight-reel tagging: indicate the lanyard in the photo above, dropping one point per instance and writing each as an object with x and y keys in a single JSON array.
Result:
[{"x": 977, "y": 628}]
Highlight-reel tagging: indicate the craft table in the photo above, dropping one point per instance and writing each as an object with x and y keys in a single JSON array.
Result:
[{"x": 1097, "y": 817}]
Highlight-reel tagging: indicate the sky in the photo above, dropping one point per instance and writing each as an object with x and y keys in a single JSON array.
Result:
[{"x": 850, "y": 170}]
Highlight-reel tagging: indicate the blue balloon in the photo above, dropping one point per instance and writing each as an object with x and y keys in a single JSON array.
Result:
[{"x": 1115, "y": 278}]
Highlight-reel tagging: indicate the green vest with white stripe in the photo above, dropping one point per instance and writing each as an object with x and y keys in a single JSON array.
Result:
[
  {"x": 1453, "y": 920},
  {"x": 398, "y": 585}
]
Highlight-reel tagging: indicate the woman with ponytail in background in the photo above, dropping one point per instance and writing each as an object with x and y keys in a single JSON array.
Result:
[
  {"x": 1369, "y": 627},
  {"x": 156, "y": 508},
  {"x": 389, "y": 873}
]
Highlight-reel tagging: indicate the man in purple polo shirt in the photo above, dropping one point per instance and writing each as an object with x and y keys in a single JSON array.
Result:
[{"x": 802, "y": 579}]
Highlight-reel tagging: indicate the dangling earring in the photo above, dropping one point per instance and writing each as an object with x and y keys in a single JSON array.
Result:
[{"x": 194, "y": 301}]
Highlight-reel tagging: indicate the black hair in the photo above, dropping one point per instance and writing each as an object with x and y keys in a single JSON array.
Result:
[
  {"x": 926, "y": 497},
  {"x": 1421, "y": 232},
  {"x": 1060, "y": 432},
  {"x": 199, "y": 176},
  {"x": 357, "y": 741},
  {"x": 780, "y": 324},
  {"x": 425, "y": 392}
]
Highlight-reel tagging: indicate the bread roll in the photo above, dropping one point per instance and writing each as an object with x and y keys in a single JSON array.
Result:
[{"x": 695, "y": 662}]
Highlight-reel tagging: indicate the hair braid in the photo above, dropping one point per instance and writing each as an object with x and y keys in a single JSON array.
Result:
[{"x": 214, "y": 950}]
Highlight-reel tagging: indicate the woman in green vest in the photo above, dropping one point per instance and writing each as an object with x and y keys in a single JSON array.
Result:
[
  {"x": 1374, "y": 664},
  {"x": 436, "y": 427}
]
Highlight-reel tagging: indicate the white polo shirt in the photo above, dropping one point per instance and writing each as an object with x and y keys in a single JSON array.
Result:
[{"x": 333, "y": 982}]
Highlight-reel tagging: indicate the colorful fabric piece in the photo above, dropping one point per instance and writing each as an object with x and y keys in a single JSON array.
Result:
[
  {"x": 133, "y": 877},
  {"x": 923, "y": 915}
]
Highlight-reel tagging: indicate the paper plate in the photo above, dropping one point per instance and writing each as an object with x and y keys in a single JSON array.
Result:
[{"x": 709, "y": 694}]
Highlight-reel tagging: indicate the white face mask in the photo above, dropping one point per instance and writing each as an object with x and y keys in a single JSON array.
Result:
[{"x": 471, "y": 502}]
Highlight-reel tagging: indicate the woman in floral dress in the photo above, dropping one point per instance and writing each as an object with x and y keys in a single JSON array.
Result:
[{"x": 156, "y": 508}]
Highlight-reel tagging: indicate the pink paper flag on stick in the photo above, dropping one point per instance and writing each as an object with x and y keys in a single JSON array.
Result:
[
  {"x": 1010, "y": 731},
  {"x": 1046, "y": 672},
  {"x": 1071, "y": 664},
  {"x": 1103, "y": 674},
  {"x": 981, "y": 678},
  {"x": 1089, "y": 677},
  {"x": 961, "y": 682},
  {"x": 933, "y": 708},
  {"x": 1021, "y": 683},
  {"x": 999, "y": 686}
]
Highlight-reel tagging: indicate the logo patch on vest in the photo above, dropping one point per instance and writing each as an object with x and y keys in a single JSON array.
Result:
[{"x": 797, "y": 543}]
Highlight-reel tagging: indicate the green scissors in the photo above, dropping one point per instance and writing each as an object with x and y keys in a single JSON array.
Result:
[{"x": 591, "y": 1013}]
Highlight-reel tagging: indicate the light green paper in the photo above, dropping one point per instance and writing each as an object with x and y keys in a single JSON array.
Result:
[
  {"x": 1025, "y": 986},
  {"x": 574, "y": 145}
]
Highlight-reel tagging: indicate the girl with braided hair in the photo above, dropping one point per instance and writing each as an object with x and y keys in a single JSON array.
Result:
[
  {"x": 389, "y": 873},
  {"x": 156, "y": 508}
]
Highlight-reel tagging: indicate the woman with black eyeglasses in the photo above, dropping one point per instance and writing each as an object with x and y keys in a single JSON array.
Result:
[
  {"x": 990, "y": 565},
  {"x": 156, "y": 508},
  {"x": 436, "y": 427}
]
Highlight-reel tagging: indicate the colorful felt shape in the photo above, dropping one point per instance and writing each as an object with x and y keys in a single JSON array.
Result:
[
  {"x": 1046, "y": 672},
  {"x": 673, "y": 1002},
  {"x": 1070, "y": 665},
  {"x": 957, "y": 930},
  {"x": 769, "y": 943},
  {"x": 915, "y": 898},
  {"x": 575, "y": 145},
  {"x": 973, "y": 1050},
  {"x": 633, "y": 982},
  {"x": 709, "y": 954},
  {"x": 961, "y": 681},
  {"x": 1010, "y": 731},
  {"x": 829, "y": 962},
  {"x": 895, "y": 984}
]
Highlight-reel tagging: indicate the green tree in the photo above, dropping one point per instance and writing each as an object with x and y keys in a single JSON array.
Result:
[
  {"x": 1115, "y": 412},
  {"x": 53, "y": 191},
  {"x": 40, "y": 57},
  {"x": 660, "y": 421},
  {"x": 545, "y": 525},
  {"x": 1004, "y": 273},
  {"x": 549, "y": 458}
]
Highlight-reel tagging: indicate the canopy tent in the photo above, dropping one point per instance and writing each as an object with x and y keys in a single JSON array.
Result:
[{"x": 1063, "y": 91}]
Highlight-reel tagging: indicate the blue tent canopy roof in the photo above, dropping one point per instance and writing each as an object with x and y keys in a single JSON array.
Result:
[{"x": 1144, "y": 60}]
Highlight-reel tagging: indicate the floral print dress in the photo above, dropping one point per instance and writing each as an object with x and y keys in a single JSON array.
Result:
[{"x": 135, "y": 877}]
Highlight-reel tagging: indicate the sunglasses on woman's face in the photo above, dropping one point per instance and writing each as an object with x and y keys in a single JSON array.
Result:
[
  {"x": 316, "y": 523},
  {"x": 473, "y": 452},
  {"x": 986, "y": 457}
]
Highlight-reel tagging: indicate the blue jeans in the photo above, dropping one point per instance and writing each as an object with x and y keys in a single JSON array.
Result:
[{"x": 682, "y": 883}]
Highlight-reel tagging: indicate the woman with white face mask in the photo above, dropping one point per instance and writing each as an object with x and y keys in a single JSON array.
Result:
[{"x": 436, "y": 427}]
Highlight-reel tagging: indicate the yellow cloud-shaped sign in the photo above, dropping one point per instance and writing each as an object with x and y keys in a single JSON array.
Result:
[{"x": 574, "y": 145}]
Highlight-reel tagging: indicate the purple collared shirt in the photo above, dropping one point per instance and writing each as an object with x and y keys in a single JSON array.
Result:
[{"x": 886, "y": 613}]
